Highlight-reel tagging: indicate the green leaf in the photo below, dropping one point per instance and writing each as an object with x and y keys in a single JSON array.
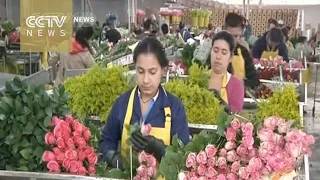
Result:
[
  {"x": 2, "y": 117},
  {"x": 8, "y": 101},
  {"x": 28, "y": 129},
  {"x": 47, "y": 121},
  {"x": 18, "y": 105},
  {"x": 41, "y": 115},
  {"x": 26, "y": 153},
  {"x": 38, "y": 131},
  {"x": 17, "y": 82},
  {"x": 48, "y": 111},
  {"x": 115, "y": 173},
  {"x": 23, "y": 119},
  {"x": 38, "y": 151}
]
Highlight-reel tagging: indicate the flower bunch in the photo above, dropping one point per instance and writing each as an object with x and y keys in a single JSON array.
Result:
[
  {"x": 69, "y": 150},
  {"x": 147, "y": 169},
  {"x": 240, "y": 158},
  {"x": 276, "y": 62}
]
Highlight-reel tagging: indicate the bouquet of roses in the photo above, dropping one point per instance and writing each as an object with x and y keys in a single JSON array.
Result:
[
  {"x": 68, "y": 148},
  {"x": 272, "y": 152}
]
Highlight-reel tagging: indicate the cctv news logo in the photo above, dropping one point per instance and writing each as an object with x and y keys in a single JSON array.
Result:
[{"x": 52, "y": 25}]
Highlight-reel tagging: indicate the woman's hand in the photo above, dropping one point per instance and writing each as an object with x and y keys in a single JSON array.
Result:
[{"x": 149, "y": 144}]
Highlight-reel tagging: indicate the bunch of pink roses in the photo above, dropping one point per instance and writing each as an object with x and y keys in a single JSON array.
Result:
[
  {"x": 69, "y": 150},
  {"x": 240, "y": 158},
  {"x": 147, "y": 169}
]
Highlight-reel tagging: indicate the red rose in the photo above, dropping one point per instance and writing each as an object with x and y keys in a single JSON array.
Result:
[
  {"x": 74, "y": 166},
  {"x": 55, "y": 120},
  {"x": 92, "y": 170},
  {"x": 86, "y": 134},
  {"x": 81, "y": 142},
  {"x": 69, "y": 119},
  {"x": 60, "y": 143},
  {"x": 53, "y": 166},
  {"x": 48, "y": 156},
  {"x": 92, "y": 158},
  {"x": 88, "y": 150},
  {"x": 49, "y": 138},
  {"x": 70, "y": 143},
  {"x": 66, "y": 164},
  {"x": 81, "y": 155},
  {"x": 82, "y": 171},
  {"x": 77, "y": 126},
  {"x": 71, "y": 154}
]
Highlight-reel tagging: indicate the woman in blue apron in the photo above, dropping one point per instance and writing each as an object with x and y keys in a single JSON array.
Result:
[
  {"x": 147, "y": 103},
  {"x": 241, "y": 62}
]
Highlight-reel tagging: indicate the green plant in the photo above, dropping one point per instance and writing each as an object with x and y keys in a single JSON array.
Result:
[
  {"x": 283, "y": 103},
  {"x": 94, "y": 93},
  {"x": 187, "y": 54},
  {"x": 201, "y": 105},
  {"x": 25, "y": 117},
  {"x": 199, "y": 75}
]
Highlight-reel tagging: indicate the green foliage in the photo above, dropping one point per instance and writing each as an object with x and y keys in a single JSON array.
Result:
[
  {"x": 199, "y": 75},
  {"x": 187, "y": 54},
  {"x": 94, "y": 93},
  {"x": 283, "y": 103},
  {"x": 25, "y": 117},
  {"x": 202, "y": 107}
]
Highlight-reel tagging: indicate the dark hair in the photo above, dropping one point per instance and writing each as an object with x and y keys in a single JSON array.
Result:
[
  {"x": 147, "y": 24},
  {"x": 273, "y": 21},
  {"x": 285, "y": 33},
  {"x": 165, "y": 28},
  {"x": 181, "y": 25},
  {"x": 83, "y": 34},
  {"x": 302, "y": 39},
  {"x": 224, "y": 35},
  {"x": 151, "y": 45},
  {"x": 210, "y": 26},
  {"x": 234, "y": 20},
  {"x": 275, "y": 35}
]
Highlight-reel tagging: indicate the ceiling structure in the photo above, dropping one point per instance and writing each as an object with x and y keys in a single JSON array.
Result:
[{"x": 272, "y": 2}]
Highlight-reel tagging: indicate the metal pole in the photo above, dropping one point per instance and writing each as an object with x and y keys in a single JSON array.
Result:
[
  {"x": 248, "y": 9},
  {"x": 244, "y": 7},
  {"x": 129, "y": 12}
]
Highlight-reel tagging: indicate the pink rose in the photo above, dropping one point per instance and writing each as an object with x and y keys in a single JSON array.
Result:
[
  {"x": 235, "y": 124},
  {"x": 247, "y": 129},
  {"x": 201, "y": 170},
  {"x": 77, "y": 126},
  {"x": 256, "y": 162},
  {"x": 48, "y": 156},
  {"x": 88, "y": 150},
  {"x": 251, "y": 169},
  {"x": 65, "y": 135},
  {"x": 194, "y": 178},
  {"x": 202, "y": 157},
  {"x": 223, "y": 152},
  {"x": 59, "y": 154},
  {"x": 66, "y": 164},
  {"x": 269, "y": 123},
  {"x": 182, "y": 176},
  {"x": 278, "y": 139},
  {"x": 243, "y": 173},
  {"x": 232, "y": 156},
  {"x": 254, "y": 152},
  {"x": 81, "y": 155},
  {"x": 77, "y": 134},
  {"x": 230, "y": 134},
  {"x": 49, "y": 138},
  {"x": 242, "y": 150},
  {"x": 82, "y": 171},
  {"x": 70, "y": 143},
  {"x": 191, "y": 160},
  {"x": 294, "y": 149},
  {"x": 81, "y": 142},
  {"x": 53, "y": 166},
  {"x": 137, "y": 177},
  {"x": 230, "y": 145},
  {"x": 222, "y": 161},
  {"x": 92, "y": 159},
  {"x": 248, "y": 142},
  {"x": 283, "y": 128},
  {"x": 55, "y": 120},
  {"x": 60, "y": 143},
  {"x": 86, "y": 134},
  {"x": 232, "y": 176},
  {"x": 151, "y": 161},
  {"x": 235, "y": 167},
  {"x": 294, "y": 136},
  {"x": 211, "y": 172},
  {"x": 152, "y": 171},
  {"x": 69, "y": 119},
  {"x": 57, "y": 131},
  {"x": 142, "y": 171},
  {"x": 265, "y": 135},
  {"x": 71, "y": 155},
  {"x": 142, "y": 157},
  {"x": 74, "y": 166},
  {"x": 221, "y": 177},
  {"x": 211, "y": 150},
  {"x": 308, "y": 140},
  {"x": 211, "y": 162},
  {"x": 91, "y": 170},
  {"x": 146, "y": 129}
]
